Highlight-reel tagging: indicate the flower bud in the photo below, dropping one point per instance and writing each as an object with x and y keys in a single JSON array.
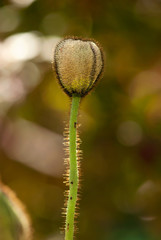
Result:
[{"x": 78, "y": 64}]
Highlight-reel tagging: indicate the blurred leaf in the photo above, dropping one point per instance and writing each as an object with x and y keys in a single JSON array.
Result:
[{"x": 14, "y": 222}]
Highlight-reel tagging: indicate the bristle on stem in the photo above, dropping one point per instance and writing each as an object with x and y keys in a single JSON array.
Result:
[{"x": 71, "y": 177}]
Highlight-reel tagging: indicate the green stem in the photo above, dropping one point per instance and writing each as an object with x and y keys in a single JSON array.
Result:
[{"x": 73, "y": 169}]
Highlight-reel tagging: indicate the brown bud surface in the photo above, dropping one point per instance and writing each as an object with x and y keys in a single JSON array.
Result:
[{"x": 78, "y": 64}]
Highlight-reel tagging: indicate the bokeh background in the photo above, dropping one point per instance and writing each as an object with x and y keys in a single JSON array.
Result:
[{"x": 120, "y": 120}]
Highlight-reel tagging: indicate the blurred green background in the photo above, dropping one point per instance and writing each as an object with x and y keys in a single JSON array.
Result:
[{"x": 120, "y": 120}]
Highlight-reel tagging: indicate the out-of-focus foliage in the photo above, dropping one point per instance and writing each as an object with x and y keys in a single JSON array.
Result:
[
  {"x": 14, "y": 222},
  {"x": 121, "y": 119}
]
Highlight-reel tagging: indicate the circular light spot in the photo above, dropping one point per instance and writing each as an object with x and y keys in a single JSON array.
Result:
[
  {"x": 129, "y": 133},
  {"x": 21, "y": 47},
  {"x": 9, "y": 19}
]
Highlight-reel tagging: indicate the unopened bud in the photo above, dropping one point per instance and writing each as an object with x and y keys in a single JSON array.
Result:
[{"x": 78, "y": 64}]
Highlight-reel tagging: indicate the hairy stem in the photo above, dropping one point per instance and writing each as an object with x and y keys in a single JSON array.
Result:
[{"x": 73, "y": 169}]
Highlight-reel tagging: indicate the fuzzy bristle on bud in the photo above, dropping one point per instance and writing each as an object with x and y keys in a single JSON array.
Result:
[{"x": 78, "y": 64}]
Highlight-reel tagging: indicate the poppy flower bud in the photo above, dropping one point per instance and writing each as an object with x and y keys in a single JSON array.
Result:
[{"x": 78, "y": 64}]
